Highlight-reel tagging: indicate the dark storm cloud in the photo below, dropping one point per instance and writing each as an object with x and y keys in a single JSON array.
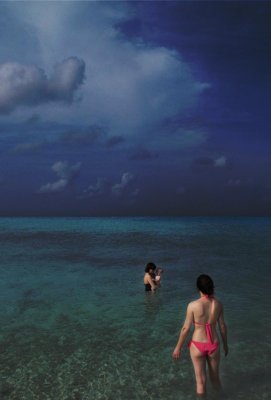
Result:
[
  {"x": 34, "y": 119},
  {"x": 142, "y": 154},
  {"x": 203, "y": 162},
  {"x": 28, "y": 85},
  {"x": 90, "y": 135},
  {"x": 83, "y": 136},
  {"x": 114, "y": 141}
]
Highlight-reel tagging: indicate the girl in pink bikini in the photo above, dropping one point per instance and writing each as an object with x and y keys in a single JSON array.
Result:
[{"x": 204, "y": 313}]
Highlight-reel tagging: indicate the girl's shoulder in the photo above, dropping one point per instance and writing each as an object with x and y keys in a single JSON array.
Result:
[{"x": 194, "y": 304}]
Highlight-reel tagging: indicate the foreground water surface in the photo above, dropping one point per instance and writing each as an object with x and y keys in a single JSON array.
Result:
[{"x": 77, "y": 324}]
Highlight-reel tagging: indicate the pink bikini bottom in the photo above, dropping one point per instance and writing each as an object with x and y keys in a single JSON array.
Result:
[{"x": 206, "y": 348}]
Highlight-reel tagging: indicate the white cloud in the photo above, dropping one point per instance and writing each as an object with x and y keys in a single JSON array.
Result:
[
  {"x": 65, "y": 171},
  {"x": 119, "y": 188},
  {"x": 53, "y": 187},
  {"x": 66, "y": 78},
  {"x": 130, "y": 85},
  {"x": 220, "y": 162},
  {"x": 28, "y": 85},
  {"x": 66, "y": 174},
  {"x": 101, "y": 187}
]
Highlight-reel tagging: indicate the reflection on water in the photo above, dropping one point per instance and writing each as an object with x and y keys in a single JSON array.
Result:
[{"x": 152, "y": 303}]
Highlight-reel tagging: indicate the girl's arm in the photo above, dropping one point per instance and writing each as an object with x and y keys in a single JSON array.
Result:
[
  {"x": 184, "y": 332},
  {"x": 150, "y": 281},
  {"x": 223, "y": 331}
]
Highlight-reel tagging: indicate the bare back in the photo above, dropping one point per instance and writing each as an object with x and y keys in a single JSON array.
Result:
[{"x": 205, "y": 310}]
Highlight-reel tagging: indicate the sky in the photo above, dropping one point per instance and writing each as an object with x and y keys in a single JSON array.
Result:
[{"x": 130, "y": 108}]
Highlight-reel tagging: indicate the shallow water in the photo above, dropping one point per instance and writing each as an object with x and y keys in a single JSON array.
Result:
[{"x": 77, "y": 324}]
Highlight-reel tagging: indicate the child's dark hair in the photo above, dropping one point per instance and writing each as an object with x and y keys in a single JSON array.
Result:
[
  {"x": 205, "y": 284},
  {"x": 149, "y": 266}
]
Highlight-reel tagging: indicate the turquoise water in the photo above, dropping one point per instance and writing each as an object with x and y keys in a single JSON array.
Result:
[{"x": 77, "y": 324}]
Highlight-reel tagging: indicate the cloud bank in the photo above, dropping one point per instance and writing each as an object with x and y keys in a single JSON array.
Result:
[{"x": 132, "y": 85}]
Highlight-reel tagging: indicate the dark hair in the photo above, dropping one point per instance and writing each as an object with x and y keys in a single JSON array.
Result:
[
  {"x": 149, "y": 266},
  {"x": 205, "y": 284}
]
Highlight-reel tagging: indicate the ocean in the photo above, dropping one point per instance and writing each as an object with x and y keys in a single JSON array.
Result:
[{"x": 76, "y": 322}]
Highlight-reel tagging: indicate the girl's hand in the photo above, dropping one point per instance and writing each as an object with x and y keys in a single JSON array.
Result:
[{"x": 176, "y": 353}]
